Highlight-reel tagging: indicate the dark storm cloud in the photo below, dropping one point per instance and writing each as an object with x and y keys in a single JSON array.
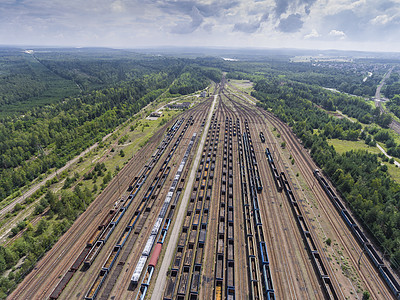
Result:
[
  {"x": 215, "y": 8},
  {"x": 246, "y": 27},
  {"x": 250, "y": 27},
  {"x": 189, "y": 27},
  {"x": 386, "y": 5},
  {"x": 282, "y": 6},
  {"x": 308, "y": 4},
  {"x": 196, "y": 11},
  {"x": 292, "y": 23}
]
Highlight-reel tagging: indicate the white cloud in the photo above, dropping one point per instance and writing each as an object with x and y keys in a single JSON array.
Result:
[
  {"x": 132, "y": 23},
  {"x": 337, "y": 33},
  {"x": 312, "y": 35},
  {"x": 336, "y": 6},
  {"x": 381, "y": 20},
  {"x": 117, "y": 6}
]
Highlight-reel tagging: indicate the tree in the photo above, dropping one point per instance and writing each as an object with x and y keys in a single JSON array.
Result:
[
  {"x": 42, "y": 226},
  {"x": 366, "y": 295},
  {"x": 107, "y": 178},
  {"x": 51, "y": 199},
  {"x": 18, "y": 207},
  {"x": 2, "y": 263}
]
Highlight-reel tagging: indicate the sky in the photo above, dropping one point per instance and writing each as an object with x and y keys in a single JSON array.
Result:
[{"x": 370, "y": 25}]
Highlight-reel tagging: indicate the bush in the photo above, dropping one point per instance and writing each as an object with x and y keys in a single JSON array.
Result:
[
  {"x": 39, "y": 209},
  {"x": 18, "y": 207},
  {"x": 366, "y": 295}
]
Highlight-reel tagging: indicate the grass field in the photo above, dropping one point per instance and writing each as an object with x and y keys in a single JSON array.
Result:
[
  {"x": 344, "y": 146},
  {"x": 243, "y": 85}
]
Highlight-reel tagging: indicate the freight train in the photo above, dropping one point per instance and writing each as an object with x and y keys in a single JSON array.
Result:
[
  {"x": 282, "y": 183},
  {"x": 246, "y": 153},
  {"x": 386, "y": 274},
  {"x": 159, "y": 224},
  {"x": 111, "y": 219},
  {"x": 144, "y": 207}
]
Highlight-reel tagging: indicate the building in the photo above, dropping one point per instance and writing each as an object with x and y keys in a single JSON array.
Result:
[
  {"x": 183, "y": 105},
  {"x": 155, "y": 114}
]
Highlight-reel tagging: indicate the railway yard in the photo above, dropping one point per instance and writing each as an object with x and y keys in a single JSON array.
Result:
[{"x": 250, "y": 217}]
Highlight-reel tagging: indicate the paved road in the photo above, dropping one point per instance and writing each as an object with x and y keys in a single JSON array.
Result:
[{"x": 162, "y": 275}]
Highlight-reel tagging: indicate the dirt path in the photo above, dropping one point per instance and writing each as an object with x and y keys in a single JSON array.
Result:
[{"x": 38, "y": 185}]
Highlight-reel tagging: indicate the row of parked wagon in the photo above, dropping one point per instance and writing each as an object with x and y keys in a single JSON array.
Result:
[
  {"x": 224, "y": 279},
  {"x": 254, "y": 230},
  {"x": 385, "y": 272},
  {"x": 184, "y": 278},
  {"x": 159, "y": 231},
  {"x": 112, "y": 218},
  {"x": 136, "y": 222},
  {"x": 283, "y": 183}
]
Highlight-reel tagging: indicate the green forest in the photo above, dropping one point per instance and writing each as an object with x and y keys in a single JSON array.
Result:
[
  {"x": 55, "y": 103},
  {"x": 358, "y": 175},
  {"x": 46, "y": 137}
]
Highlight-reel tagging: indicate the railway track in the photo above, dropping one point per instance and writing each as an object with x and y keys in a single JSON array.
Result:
[
  {"x": 299, "y": 286},
  {"x": 259, "y": 277},
  {"x": 120, "y": 278},
  {"x": 56, "y": 262},
  {"x": 242, "y": 237},
  {"x": 376, "y": 289},
  {"x": 314, "y": 249},
  {"x": 224, "y": 284},
  {"x": 207, "y": 284},
  {"x": 99, "y": 239},
  {"x": 185, "y": 274},
  {"x": 370, "y": 278},
  {"x": 295, "y": 272}
]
